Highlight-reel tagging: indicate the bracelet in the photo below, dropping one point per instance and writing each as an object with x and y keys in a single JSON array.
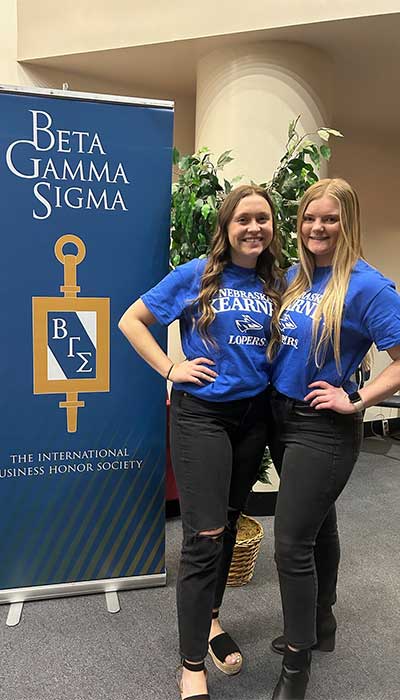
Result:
[{"x": 170, "y": 370}]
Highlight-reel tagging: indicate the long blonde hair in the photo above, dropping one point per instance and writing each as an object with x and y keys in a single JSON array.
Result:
[
  {"x": 329, "y": 313},
  {"x": 267, "y": 267}
]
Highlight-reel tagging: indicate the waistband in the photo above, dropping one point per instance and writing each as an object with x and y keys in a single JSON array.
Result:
[
  {"x": 275, "y": 394},
  {"x": 175, "y": 393}
]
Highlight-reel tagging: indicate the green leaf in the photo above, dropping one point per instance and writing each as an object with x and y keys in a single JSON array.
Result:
[
  {"x": 323, "y": 134},
  {"x": 184, "y": 163},
  {"x": 286, "y": 253},
  {"x": 263, "y": 478},
  {"x": 175, "y": 156},
  {"x": 205, "y": 159},
  {"x": 265, "y": 465},
  {"x": 325, "y": 152},
  {"x": 298, "y": 164},
  {"x": 292, "y": 127},
  {"x": 314, "y": 155},
  {"x": 227, "y": 186},
  {"x": 224, "y": 158},
  {"x": 334, "y": 132},
  {"x": 311, "y": 178},
  {"x": 205, "y": 209}
]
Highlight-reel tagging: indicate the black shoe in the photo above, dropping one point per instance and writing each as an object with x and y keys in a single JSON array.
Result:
[
  {"x": 326, "y": 633},
  {"x": 219, "y": 648},
  {"x": 326, "y": 629},
  {"x": 295, "y": 674}
]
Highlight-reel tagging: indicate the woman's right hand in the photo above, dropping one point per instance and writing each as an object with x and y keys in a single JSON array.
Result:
[{"x": 195, "y": 371}]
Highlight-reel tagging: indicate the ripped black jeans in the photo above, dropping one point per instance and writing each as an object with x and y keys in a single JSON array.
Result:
[
  {"x": 314, "y": 453},
  {"x": 216, "y": 450}
]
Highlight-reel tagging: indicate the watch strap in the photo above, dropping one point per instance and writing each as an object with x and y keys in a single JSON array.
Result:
[{"x": 356, "y": 400}]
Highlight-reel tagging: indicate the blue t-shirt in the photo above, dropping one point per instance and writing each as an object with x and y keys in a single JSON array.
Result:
[
  {"x": 371, "y": 315},
  {"x": 242, "y": 311}
]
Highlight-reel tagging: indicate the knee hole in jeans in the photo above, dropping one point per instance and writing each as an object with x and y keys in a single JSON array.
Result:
[{"x": 214, "y": 534}]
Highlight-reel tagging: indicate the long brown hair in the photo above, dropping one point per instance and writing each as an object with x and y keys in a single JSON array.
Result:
[
  {"x": 267, "y": 267},
  {"x": 329, "y": 313}
]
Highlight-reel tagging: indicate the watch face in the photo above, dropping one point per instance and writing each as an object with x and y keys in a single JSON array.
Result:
[{"x": 354, "y": 397}]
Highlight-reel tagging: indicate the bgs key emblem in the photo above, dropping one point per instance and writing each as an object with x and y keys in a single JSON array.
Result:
[{"x": 71, "y": 338}]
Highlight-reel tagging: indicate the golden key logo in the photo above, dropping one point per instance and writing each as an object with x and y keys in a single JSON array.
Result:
[{"x": 71, "y": 338}]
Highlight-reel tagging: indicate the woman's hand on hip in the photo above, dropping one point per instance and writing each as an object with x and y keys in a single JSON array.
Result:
[
  {"x": 324, "y": 395},
  {"x": 195, "y": 371}
]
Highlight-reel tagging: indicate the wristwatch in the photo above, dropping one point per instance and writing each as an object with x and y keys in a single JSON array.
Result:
[{"x": 356, "y": 400}]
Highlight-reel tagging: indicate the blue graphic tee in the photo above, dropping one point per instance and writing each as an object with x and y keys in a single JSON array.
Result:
[
  {"x": 242, "y": 314},
  {"x": 371, "y": 315}
]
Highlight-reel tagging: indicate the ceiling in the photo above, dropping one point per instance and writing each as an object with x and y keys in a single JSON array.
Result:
[{"x": 365, "y": 53}]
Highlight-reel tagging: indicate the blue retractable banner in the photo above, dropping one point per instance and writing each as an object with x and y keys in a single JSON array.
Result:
[{"x": 85, "y": 186}]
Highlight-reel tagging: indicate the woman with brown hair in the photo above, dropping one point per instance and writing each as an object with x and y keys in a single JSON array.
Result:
[
  {"x": 334, "y": 308},
  {"x": 218, "y": 430}
]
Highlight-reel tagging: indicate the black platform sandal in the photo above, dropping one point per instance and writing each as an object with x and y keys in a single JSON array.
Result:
[
  {"x": 191, "y": 667},
  {"x": 222, "y": 646}
]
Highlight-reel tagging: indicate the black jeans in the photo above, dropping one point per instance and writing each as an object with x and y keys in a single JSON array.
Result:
[
  {"x": 314, "y": 452},
  {"x": 216, "y": 450}
]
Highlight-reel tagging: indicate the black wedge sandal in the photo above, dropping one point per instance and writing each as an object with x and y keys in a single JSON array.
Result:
[
  {"x": 222, "y": 646},
  {"x": 191, "y": 667}
]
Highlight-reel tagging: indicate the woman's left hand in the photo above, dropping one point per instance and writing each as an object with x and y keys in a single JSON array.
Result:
[{"x": 324, "y": 395}]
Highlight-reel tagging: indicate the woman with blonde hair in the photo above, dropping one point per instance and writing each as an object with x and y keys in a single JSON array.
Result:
[
  {"x": 218, "y": 430},
  {"x": 335, "y": 307}
]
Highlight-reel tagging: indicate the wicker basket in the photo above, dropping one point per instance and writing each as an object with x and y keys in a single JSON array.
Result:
[{"x": 245, "y": 553}]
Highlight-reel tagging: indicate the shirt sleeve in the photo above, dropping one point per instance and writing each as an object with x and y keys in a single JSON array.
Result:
[
  {"x": 382, "y": 318},
  {"x": 170, "y": 297},
  {"x": 291, "y": 273}
]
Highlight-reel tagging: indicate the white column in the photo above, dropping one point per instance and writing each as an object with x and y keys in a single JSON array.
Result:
[{"x": 248, "y": 94}]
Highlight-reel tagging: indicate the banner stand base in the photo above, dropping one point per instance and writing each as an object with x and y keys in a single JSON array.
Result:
[
  {"x": 112, "y": 602},
  {"x": 14, "y": 614},
  {"x": 60, "y": 590},
  {"x": 15, "y": 611}
]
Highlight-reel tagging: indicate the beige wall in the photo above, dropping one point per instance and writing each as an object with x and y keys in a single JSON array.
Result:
[
  {"x": 370, "y": 162},
  {"x": 248, "y": 94},
  {"x": 9, "y": 71},
  {"x": 84, "y": 25}
]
